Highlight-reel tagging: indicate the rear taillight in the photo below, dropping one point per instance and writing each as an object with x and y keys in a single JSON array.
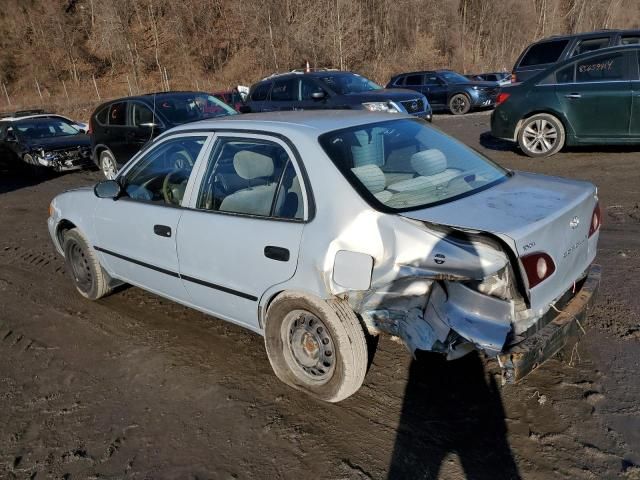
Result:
[
  {"x": 538, "y": 267},
  {"x": 596, "y": 220},
  {"x": 502, "y": 97},
  {"x": 514, "y": 78}
]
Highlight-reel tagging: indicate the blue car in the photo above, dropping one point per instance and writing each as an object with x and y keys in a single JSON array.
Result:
[{"x": 448, "y": 90}]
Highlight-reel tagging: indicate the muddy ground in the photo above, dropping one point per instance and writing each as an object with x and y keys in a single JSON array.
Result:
[{"x": 135, "y": 387}]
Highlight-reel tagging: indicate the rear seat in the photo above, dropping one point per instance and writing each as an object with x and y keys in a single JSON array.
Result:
[{"x": 431, "y": 166}]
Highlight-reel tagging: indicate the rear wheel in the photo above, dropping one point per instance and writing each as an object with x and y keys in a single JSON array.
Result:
[
  {"x": 82, "y": 264},
  {"x": 316, "y": 346},
  {"x": 459, "y": 104},
  {"x": 108, "y": 165},
  {"x": 541, "y": 135}
]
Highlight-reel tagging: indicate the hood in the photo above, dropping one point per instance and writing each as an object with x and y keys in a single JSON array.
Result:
[
  {"x": 394, "y": 94},
  {"x": 58, "y": 143},
  {"x": 530, "y": 213}
]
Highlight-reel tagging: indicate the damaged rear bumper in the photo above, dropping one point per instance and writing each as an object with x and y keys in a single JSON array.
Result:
[{"x": 521, "y": 359}]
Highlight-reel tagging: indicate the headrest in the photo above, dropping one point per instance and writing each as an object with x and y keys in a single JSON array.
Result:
[
  {"x": 429, "y": 162},
  {"x": 371, "y": 177},
  {"x": 250, "y": 165}
]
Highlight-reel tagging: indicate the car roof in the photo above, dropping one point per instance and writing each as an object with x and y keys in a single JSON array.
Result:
[
  {"x": 299, "y": 73},
  {"x": 292, "y": 122},
  {"x": 593, "y": 33},
  {"x": 148, "y": 97},
  {"x": 31, "y": 117}
]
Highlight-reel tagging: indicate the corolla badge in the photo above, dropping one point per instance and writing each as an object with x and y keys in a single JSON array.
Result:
[{"x": 575, "y": 221}]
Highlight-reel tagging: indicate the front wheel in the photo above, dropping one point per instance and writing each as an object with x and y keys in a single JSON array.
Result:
[
  {"x": 87, "y": 274},
  {"x": 541, "y": 135},
  {"x": 316, "y": 346},
  {"x": 108, "y": 165},
  {"x": 459, "y": 104}
]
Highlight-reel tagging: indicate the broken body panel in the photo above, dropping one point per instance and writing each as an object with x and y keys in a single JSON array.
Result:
[{"x": 427, "y": 268}]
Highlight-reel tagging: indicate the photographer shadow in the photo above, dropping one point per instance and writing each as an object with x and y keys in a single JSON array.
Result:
[{"x": 451, "y": 408}]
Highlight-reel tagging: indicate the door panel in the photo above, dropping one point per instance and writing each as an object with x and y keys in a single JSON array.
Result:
[
  {"x": 136, "y": 234},
  {"x": 435, "y": 90},
  {"x": 244, "y": 233},
  {"x": 598, "y": 101}
]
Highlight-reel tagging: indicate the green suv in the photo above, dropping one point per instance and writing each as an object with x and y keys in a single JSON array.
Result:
[{"x": 590, "y": 99}]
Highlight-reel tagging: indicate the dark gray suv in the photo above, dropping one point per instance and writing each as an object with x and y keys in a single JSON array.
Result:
[
  {"x": 540, "y": 55},
  {"x": 332, "y": 89}
]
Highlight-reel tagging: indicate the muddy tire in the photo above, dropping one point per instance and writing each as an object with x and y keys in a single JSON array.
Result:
[
  {"x": 316, "y": 346},
  {"x": 83, "y": 266},
  {"x": 108, "y": 165},
  {"x": 541, "y": 135},
  {"x": 459, "y": 104}
]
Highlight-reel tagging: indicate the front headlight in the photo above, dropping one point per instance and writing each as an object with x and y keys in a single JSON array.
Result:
[{"x": 380, "y": 107}]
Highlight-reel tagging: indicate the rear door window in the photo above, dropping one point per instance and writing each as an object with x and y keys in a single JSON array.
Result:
[
  {"x": 603, "y": 68},
  {"x": 566, "y": 74},
  {"x": 103, "y": 116},
  {"x": 590, "y": 45},
  {"x": 261, "y": 92},
  {"x": 414, "y": 80},
  {"x": 308, "y": 87},
  {"x": 118, "y": 114},
  {"x": 285, "y": 90},
  {"x": 543, "y": 53},
  {"x": 630, "y": 39}
]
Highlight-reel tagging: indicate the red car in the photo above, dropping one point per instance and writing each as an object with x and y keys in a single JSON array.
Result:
[{"x": 234, "y": 97}]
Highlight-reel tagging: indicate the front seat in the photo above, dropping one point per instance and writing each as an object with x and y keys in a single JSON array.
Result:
[{"x": 254, "y": 200}]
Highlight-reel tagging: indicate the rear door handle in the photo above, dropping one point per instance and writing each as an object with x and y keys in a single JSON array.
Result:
[
  {"x": 573, "y": 95},
  {"x": 276, "y": 253},
  {"x": 162, "y": 230}
]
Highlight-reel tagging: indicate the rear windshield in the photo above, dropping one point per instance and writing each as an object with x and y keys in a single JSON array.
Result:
[
  {"x": 404, "y": 164},
  {"x": 184, "y": 108},
  {"x": 542, "y": 53}
]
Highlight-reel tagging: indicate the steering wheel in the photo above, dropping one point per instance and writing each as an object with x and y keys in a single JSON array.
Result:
[
  {"x": 174, "y": 191},
  {"x": 180, "y": 158}
]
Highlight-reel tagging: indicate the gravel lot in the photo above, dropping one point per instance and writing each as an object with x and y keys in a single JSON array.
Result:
[{"x": 134, "y": 386}]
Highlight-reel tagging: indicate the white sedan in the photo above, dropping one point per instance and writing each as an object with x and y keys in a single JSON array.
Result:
[{"x": 320, "y": 230}]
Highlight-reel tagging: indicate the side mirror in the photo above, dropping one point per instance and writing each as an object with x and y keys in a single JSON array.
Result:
[
  {"x": 318, "y": 95},
  {"x": 244, "y": 109},
  {"x": 82, "y": 128},
  {"x": 108, "y": 189},
  {"x": 11, "y": 138}
]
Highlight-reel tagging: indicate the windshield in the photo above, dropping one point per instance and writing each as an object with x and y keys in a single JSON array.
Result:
[
  {"x": 453, "y": 77},
  {"x": 179, "y": 109},
  {"x": 344, "y": 83},
  {"x": 45, "y": 128},
  {"x": 404, "y": 164}
]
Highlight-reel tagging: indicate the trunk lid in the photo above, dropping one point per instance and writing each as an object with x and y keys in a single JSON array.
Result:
[{"x": 531, "y": 213}]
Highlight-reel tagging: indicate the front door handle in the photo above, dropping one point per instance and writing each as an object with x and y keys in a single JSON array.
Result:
[
  {"x": 276, "y": 253},
  {"x": 573, "y": 95},
  {"x": 162, "y": 230}
]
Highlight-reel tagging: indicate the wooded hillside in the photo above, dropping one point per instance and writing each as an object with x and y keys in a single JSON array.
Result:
[{"x": 55, "y": 48}]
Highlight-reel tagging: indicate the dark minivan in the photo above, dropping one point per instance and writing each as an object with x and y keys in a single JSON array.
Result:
[
  {"x": 119, "y": 128},
  {"x": 586, "y": 100},
  {"x": 332, "y": 89},
  {"x": 542, "y": 54}
]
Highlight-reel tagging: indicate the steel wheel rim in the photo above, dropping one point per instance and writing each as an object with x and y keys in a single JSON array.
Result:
[
  {"x": 540, "y": 136},
  {"x": 459, "y": 104},
  {"x": 309, "y": 345},
  {"x": 108, "y": 167},
  {"x": 80, "y": 267}
]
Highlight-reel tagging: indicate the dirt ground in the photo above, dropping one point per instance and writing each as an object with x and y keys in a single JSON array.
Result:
[{"x": 134, "y": 386}]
